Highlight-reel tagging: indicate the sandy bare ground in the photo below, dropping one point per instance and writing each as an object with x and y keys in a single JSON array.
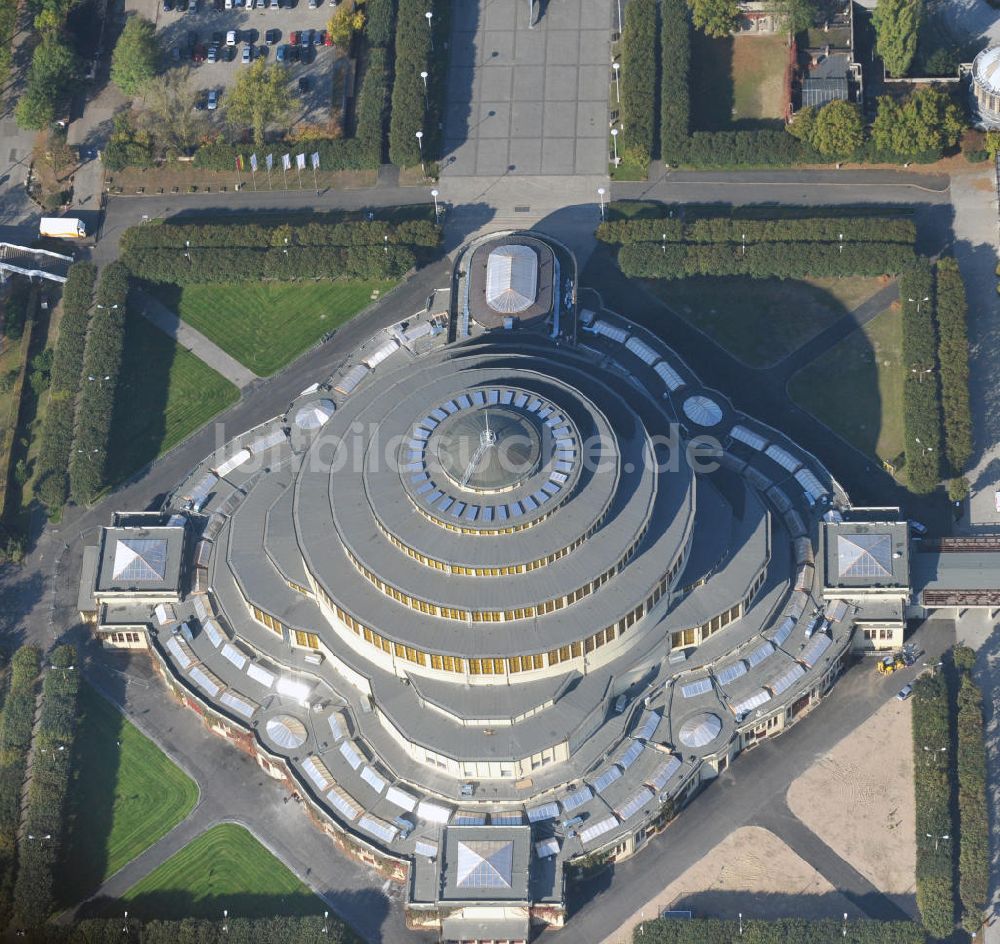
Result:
[
  {"x": 751, "y": 871},
  {"x": 868, "y": 778}
]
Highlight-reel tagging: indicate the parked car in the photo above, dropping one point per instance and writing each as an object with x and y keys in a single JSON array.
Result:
[
  {"x": 318, "y": 37},
  {"x": 273, "y": 4},
  {"x": 231, "y": 38},
  {"x": 229, "y": 4},
  {"x": 293, "y": 38},
  {"x": 213, "y": 99},
  {"x": 905, "y": 692},
  {"x": 213, "y": 53},
  {"x": 272, "y": 36},
  {"x": 247, "y": 54},
  {"x": 168, "y": 5},
  {"x": 230, "y": 53},
  {"x": 293, "y": 53},
  {"x": 182, "y": 6},
  {"x": 218, "y": 37},
  {"x": 282, "y": 52},
  {"x": 313, "y": 4},
  {"x": 306, "y": 37},
  {"x": 199, "y": 52},
  {"x": 192, "y": 6},
  {"x": 327, "y": 39}
]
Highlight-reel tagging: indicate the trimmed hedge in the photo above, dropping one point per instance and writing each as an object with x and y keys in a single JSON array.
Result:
[
  {"x": 973, "y": 814},
  {"x": 675, "y": 92},
  {"x": 240, "y": 931},
  {"x": 51, "y": 772},
  {"x": 15, "y": 740},
  {"x": 935, "y": 884},
  {"x": 748, "y": 148},
  {"x": 339, "y": 154},
  {"x": 638, "y": 82},
  {"x": 372, "y": 102},
  {"x": 67, "y": 365},
  {"x": 414, "y": 108},
  {"x": 953, "y": 356},
  {"x": 921, "y": 406},
  {"x": 784, "y": 931},
  {"x": 95, "y": 406},
  {"x": 257, "y": 236},
  {"x": 380, "y": 22},
  {"x": 299, "y": 262},
  {"x": 725, "y": 229},
  {"x": 763, "y": 260}
]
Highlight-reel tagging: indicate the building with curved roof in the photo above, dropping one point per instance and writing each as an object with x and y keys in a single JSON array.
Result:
[
  {"x": 482, "y": 604},
  {"x": 986, "y": 86}
]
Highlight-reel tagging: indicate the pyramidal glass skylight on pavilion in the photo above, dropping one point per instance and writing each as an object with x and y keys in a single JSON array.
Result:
[
  {"x": 487, "y": 863},
  {"x": 140, "y": 559},
  {"x": 511, "y": 278},
  {"x": 864, "y": 555}
]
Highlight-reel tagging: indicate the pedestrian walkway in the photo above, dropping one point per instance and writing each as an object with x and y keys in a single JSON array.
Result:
[{"x": 208, "y": 351}]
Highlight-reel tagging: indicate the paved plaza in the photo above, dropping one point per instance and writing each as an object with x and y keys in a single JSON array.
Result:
[{"x": 528, "y": 101}]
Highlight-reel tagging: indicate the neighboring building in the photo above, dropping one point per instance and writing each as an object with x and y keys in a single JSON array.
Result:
[
  {"x": 470, "y": 600},
  {"x": 986, "y": 86}
]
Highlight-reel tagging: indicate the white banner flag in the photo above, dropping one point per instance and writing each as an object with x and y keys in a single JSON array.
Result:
[
  {"x": 315, "y": 160},
  {"x": 253, "y": 163},
  {"x": 300, "y": 161},
  {"x": 286, "y": 162},
  {"x": 269, "y": 161}
]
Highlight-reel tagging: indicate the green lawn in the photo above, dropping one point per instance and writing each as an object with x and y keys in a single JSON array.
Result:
[
  {"x": 856, "y": 387},
  {"x": 762, "y": 321},
  {"x": 266, "y": 325},
  {"x": 126, "y": 796},
  {"x": 224, "y": 867},
  {"x": 165, "y": 393}
]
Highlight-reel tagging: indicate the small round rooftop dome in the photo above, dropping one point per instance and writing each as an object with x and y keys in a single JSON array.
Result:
[
  {"x": 313, "y": 415},
  {"x": 700, "y": 730},
  {"x": 702, "y": 410},
  {"x": 286, "y": 731}
]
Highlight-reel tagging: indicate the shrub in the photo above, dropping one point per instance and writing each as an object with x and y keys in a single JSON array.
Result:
[
  {"x": 935, "y": 886},
  {"x": 95, "y": 405},
  {"x": 782, "y": 931},
  {"x": 15, "y": 740},
  {"x": 50, "y": 780},
  {"x": 381, "y": 23},
  {"x": 638, "y": 82},
  {"x": 371, "y": 108},
  {"x": 921, "y": 413},
  {"x": 675, "y": 93},
  {"x": 973, "y": 814},
  {"x": 67, "y": 364},
  {"x": 414, "y": 108},
  {"x": 747, "y": 148},
  {"x": 953, "y": 356}
]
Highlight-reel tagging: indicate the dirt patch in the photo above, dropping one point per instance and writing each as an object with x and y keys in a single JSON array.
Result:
[
  {"x": 869, "y": 777},
  {"x": 751, "y": 871}
]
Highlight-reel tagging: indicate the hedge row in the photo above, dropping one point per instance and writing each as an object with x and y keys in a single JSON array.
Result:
[
  {"x": 380, "y": 22},
  {"x": 370, "y": 110},
  {"x": 973, "y": 814},
  {"x": 198, "y": 931},
  {"x": 256, "y": 236},
  {"x": 935, "y": 885},
  {"x": 749, "y": 148},
  {"x": 67, "y": 364},
  {"x": 15, "y": 740},
  {"x": 638, "y": 82},
  {"x": 334, "y": 154},
  {"x": 763, "y": 260},
  {"x": 785, "y": 931},
  {"x": 414, "y": 106},
  {"x": 726, "y": 230},
  {"x": 95, "y": 407},
  {"x": 234, "y": 265},
  {"x": 675, "y": 94},
  {"x": 921, "y": 405},
  {"x": 51, "y": 772},
  {"x": 953, "y": 357}
]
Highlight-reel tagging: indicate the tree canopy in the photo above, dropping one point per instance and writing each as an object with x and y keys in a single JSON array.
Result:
[
  {"x": 897, "y": 27},
  {"x": 796, "y": 15},
  {"x": 927, "y": 122},
  {"x": 52, "y": 67},
  {"x": 170, "y": 116},
  {"x": 260, "y": 96},
  {"x": 134, "y": 61},
  {"x": 835, "y": 130},
  {"x": 715, "y": 17}
]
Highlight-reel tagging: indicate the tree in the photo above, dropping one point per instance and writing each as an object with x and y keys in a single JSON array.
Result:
[
  {"x": 926, "y": 123},
  {"x": 133, "y": 63},
  {"x": 52, "y": 67},
  {"x": 803, "y": 125},
  {"x": 796, "y": 16},
  {"x": 343, "y": 24},
  {"x": 897, "y": 27},
  {"x": 715, "y": 17},
  {"x": 171, "y": 117},
  {"x": 838, "y": 130},
  {"x": 260, "y": 96}
]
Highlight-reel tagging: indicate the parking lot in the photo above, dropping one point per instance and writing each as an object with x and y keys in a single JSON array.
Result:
[{"x": 186, "y": 36}]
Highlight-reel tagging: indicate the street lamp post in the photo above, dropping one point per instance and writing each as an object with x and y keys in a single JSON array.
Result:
[
  {"x": 843, "y": 929},
  {"x": 423, "y": 75},
  {"x": 921, "y": 371},
  {"x": 618, "y": 88},
  {"x": 434, "y": 194},
  {"x": 225, "y": 920},
  {"x": 531, "y": 14},
  {"x": 420, "y": 144},
  {"x": 385, "y": 244},
  {"x": 620, "y": 25},
  {"x": 430, "y": 28},
  {"x": 841, "y": 243},
  {"x": 600, "y": 194},
  {"x": 326, "y": 922},
  {"x": 614, "y": 139},
  {"x": 744, "y": 241},
  {"x": 937, "y": 839},
  {"x": 919, "y": 301},
  {"x": 740, "y": 916},
  {"x": 664, "y": 243}
]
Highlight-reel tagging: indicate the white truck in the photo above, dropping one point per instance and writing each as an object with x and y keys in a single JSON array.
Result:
[{"x": 62, "y": 227}]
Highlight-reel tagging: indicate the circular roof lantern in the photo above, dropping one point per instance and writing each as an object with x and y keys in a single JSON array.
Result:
[
  {"x": 286, "y": 731},
  {"x": 315, "y": 414},
  {"x": 702, "y": 410},
  {"x": 700, "y": 730}
]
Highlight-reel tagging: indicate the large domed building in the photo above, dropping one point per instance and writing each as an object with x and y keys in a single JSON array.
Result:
[
  {"x": 501, "y": 594},
  {"x": 986, "y": 86}
]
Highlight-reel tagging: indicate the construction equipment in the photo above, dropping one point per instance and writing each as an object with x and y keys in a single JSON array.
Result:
[{"x": 890, "y": 664}]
